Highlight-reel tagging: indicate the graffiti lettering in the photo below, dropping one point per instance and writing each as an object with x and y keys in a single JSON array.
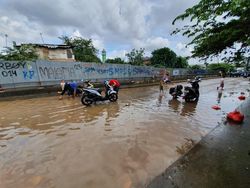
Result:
[
  {"x": 57, "y": 72},
  {"x": 43, "y": 71},
  {"x": 10, "y": 73},
  {"x": 12, "y": 65},
  {"x": 77, "y": 66},
  {"x": 89, "y": 69},
  {"x": 28, "y": 74}
]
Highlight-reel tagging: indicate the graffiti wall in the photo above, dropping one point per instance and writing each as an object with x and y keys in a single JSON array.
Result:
[{"x": 18, "y": 74}]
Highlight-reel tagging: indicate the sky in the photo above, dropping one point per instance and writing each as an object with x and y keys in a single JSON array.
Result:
[{"x": 117, "y": 26}]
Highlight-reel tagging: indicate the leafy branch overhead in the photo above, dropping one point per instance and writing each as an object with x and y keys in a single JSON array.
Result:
[{"x": 218, "y": 27}]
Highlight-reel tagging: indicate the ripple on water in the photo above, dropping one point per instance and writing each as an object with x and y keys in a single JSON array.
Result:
[{"x": 52, "y": 122}]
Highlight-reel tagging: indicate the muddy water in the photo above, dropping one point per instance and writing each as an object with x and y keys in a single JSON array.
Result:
[{"x": 45, "y": 142}]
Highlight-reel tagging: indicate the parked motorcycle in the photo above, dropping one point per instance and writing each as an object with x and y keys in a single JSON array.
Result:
[
  {"x": 176, "y": 91},
  {"x": 91, "y": 95},
  {"x": 192, "y": 93}
]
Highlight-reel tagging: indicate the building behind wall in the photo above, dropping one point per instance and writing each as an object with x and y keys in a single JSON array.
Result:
[{"x": 54, "y": 52}]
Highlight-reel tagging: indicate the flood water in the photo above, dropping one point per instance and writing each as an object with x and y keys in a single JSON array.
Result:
[{"x": 46, "y": 142}]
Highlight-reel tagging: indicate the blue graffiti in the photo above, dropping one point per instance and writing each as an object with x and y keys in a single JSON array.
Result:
[
  {"x": 28, "y": 74},
  {"x": 89, "y": 69}
]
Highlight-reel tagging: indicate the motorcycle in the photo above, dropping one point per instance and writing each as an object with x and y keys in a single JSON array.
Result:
[
  {"x": 176, "y": 91},
  {"x": 192, "y": 93},
  {"x": 91, "y": 95}
]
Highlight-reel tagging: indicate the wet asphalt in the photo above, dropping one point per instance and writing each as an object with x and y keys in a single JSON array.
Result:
[
  {"x": 220, "y": 160},
  {"x": 45, "y": 142}
]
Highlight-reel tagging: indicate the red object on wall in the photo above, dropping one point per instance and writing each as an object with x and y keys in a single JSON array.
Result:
[
  {"x": 242, "y": 97},
  {"x": 216, "y": 107},
  {"x": 236, "y": 116}
]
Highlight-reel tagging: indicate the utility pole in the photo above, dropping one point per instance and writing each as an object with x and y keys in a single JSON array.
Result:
[
  {"x": 6, "y": 40},
  {"x": 42, "y": 37}
]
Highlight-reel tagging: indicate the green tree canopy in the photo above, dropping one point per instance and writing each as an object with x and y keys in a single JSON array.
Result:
[
  {"x": 218, "y": 27},
  {"x": 24, "y": 52},
  {"x": 164, "y": 57},
  {"x": 117, "y": 60},
  {"x": 181, "y": 62},
  {"x": 224, "y": 67},
  {"x": 135, "y": 57},
  {"x": 83, "y": 49},
  {"x": 195, "y": 67}
]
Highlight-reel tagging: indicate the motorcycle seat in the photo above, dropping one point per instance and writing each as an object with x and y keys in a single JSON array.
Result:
[{"x": 97, "y": 89}]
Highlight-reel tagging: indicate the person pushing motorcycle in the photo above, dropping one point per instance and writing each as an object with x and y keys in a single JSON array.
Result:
[
  {"x": 115, "y": 84},
  {"x": 70, "y": 88}
]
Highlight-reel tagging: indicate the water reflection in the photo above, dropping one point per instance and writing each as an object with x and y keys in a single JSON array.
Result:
[
  {"x": 188, "y": 109},
  {"x": 219, "y": 96},
  {"x": 160, "y": 99},
  {"x": 174, "y": 104},
  {"x": 112, "y": 110}
]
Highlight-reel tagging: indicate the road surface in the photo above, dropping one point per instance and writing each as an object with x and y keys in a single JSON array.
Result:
[{"x": 45, "y": 142}]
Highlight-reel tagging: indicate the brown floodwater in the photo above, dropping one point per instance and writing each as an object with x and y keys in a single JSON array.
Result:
[{"x": 46, "y": 142}]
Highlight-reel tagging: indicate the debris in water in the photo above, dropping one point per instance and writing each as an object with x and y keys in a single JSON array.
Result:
[
  {"x": 242, "y": 97},
  {"x": 216, "y": 107},
  {"x": 185, "y": 147},
  {"x": 236, "y": 116}
]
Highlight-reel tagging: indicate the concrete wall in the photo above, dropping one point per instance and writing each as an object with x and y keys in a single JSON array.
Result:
[{"x": 42, "y": 73}]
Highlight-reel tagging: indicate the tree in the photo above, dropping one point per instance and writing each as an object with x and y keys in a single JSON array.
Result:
[
  {"x": 181, "y": 62},
  {"x": 83, "y": 49},
  {"x": 117, "y": 60},
  {"x": 224, "y": 67},
  {"x": 217, "y": 27},
  {"x": 163, "y": 57},
  {"x": 24, "y": 52},
  {"x": 135, "y": 57},
  {"x": 195, "y": 67}
]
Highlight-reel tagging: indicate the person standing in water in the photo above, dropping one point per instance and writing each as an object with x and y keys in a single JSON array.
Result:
[
  {"x": 161, "y": 86},
  {"x": 220, "y": 88}
]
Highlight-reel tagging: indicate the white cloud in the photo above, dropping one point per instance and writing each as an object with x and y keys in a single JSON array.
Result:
[
  {"x": 98, "y": 44},
  {"x": 76, "y": 34},
  {"x": 97, "y": 41},
  {"x": 151, "y": 43},
  {"x": 117, "y": 53},
  {"x": 121, "y": 24},
  {"x": 181, "y": 46}
]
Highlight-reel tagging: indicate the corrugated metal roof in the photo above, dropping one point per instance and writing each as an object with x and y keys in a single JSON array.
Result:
[{"x": 51, "y": 46}]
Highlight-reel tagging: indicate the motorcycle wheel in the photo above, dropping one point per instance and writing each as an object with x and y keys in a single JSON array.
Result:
[
  {"x": 113, "y": 97},
  {"x": 86, "y": 101}
]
